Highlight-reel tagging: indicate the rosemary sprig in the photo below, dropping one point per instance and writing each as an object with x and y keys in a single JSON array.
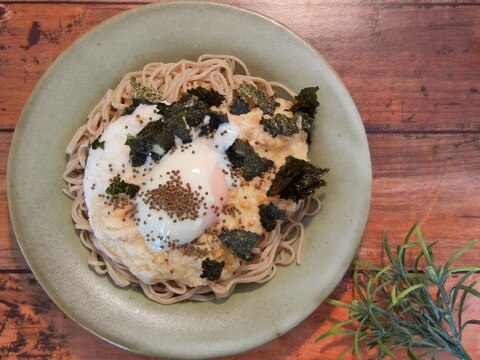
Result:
[{"x": 410, "y": 310}]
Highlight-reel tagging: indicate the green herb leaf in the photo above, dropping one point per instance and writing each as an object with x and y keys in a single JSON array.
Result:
[
  {"x": 97, "y": 144},
  {"x": 118, "y": 186},
  {"x": 240, "y": 242},
  {"x": 269, "y": 214},
  {"x": 242, "y": 155},
  {"x": 249, "y": 93},
  {"x": 297, "y": 179},
  {"x": 212, "y": 269},
  {"x": 409, "y": 310}
]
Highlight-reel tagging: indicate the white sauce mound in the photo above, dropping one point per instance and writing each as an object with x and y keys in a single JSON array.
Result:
[
  {"x": 194, "y": 180},
  {"x": 159, "y": 243}
]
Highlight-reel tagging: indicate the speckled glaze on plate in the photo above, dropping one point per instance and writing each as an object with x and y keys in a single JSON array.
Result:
[{"x": 40, "y": 213}]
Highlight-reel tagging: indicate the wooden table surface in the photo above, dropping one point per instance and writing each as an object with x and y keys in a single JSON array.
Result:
[{"x": 413, "y": 69}]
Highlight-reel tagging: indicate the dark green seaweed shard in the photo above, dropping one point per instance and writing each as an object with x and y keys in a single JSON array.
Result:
[
  {"x": 259, "y": 97},
  {"x": 214, "y": 121},
  {"x": 240, "y": 242},
  {"x": 139, "y": 150},
  {"x": 130, "y": 109},
  {"x": 306, "y": 101},
  {"x": 174, "y": 126},
  {"x": 118, "y": 186},
  {"x": 212, "y": 269},
  {"x": 297, "y": 179},
  {"x": 190, "y": 109},
  {"x": 161, "y": 133},
  {"x": 142, "y": 144},
  {"x": 209, "y": 96},
  {"x": 241, "y": 155},
  {"x": 269, "y": 214},
  {"x": 143, "y": 92},
  {"x": 239, "y": 106},
  {"x": 97, "y": 144},
  {"x": 281, "y": 125}
]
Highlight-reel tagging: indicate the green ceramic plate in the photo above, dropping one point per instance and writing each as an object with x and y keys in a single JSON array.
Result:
[{"x": 59, "y": 104}]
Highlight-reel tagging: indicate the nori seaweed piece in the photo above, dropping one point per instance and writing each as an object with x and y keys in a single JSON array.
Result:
[
  {"x": 97, "y": 144},
  {"x": 118, "y": 186},
  {"x": 216, "y": 119},
  {"x": 212, "y": 269},
  {"x": 161, "y": 133},
  {"x": 142, "y": 94},
  {"x": 267, "y": 103},
  {"x": 139, "y": 149},
  {"x": 269, "y": 214},
  {"x": 240, "y": 242},
  {"x": 209, "y": 96},
  {"x": 190, "y": 110},
  {"x": 239, "y": 106},
  {"x": 306, "y": 101},
  {"x": 297, "y": 179},
  {"x": 281, "y": 124},
  {"x": 241, "y": 155}
]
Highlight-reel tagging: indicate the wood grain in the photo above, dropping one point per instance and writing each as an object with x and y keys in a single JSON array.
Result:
[
  {"x": 408, "y": 68},
  {"x": 10, "y": 255},
  {"x": 431, "y": 179},
  {"x": 31, "y": 326}
]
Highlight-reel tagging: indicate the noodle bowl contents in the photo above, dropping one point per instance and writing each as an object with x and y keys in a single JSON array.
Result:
[{"x": 190, "y": 178}]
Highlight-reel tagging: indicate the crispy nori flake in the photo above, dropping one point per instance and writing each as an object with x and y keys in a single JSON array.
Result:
[
  {"x": 97, "y": 144},
  {"x": 210, "y": 96},
  {"x": 174, "y": 126},
  {"x": 303, "y": 114},
  {"x": 248, "y": 92},
  {"x": 142, "y": 94},
  {"x": 216, "y": 119},
  {"x": 140, "y": 148},
  {"x": 141, "y": 145},
  {"x": 269, "y": 214},
  {"x": 132, "y": 107},
  {"x": 306, "y": 101},
  {"x": 297, "y": 179},
  {"x": 189, "y": 111},
  {"x": 161, "y": 133},
  {"x": 241, "y": 155},
  {"x": 212, "y": 269},
  {"x": 240, "y": 242},
  {"x": 239, "y": 106},
  {"x": 189, "y": 108},
  {"x": 280, "y": 124},
  {"x": 118, "y": 186}
]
